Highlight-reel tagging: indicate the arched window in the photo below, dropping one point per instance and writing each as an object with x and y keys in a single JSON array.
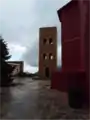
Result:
[
  {"x": 50, "y": 41},
  {"x": 51, "y": 57},
  {"x": 44, "y": 41},
  {"x": 45, "y": 56}
]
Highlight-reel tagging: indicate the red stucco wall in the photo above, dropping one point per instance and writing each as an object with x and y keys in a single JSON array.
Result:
[
  {"x": 73, "y": 63},
  {"x": 65, "y": 80},
  {"x": 71, "y": 38},
  {"x": 75, "y": 48},
  {"x": 87, "y": 46}
]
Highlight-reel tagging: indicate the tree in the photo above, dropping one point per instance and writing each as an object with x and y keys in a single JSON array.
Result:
[
  {"x": 6, "y": 69},
  {"x": 4, "y": 50}
]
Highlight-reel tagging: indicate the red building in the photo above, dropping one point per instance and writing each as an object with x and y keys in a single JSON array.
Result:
[
  {"x": 74, "y": 18},
  {"x": 87, "y": 49}
]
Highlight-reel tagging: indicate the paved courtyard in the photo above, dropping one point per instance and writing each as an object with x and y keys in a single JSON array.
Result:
[{"x": 33, "y": 99}]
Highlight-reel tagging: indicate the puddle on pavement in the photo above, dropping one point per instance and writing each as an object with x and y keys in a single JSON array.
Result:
[{"x": 34, "y": 99}]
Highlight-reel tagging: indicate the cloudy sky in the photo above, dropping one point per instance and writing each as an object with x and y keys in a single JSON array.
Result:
[{"x": 20, "y": 21}]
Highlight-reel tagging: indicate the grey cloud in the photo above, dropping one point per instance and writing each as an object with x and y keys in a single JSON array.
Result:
[
  {"x": 32, "y": 55},
  {"x": 20, "y": 21},
  {"x": 18, "y": 18}
]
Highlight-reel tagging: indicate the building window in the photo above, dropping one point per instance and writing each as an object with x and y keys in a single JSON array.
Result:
[
  {"x": 50, "y": 41},
  {"x": 51, "y": 57},
  {"x": 45, "y": 56},
  {"x": 45, "y": 41}
]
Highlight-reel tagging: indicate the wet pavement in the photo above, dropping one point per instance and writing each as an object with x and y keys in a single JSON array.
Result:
[{"x": 33, "y": 99}]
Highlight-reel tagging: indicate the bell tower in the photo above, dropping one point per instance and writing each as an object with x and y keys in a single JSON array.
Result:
[{"x": 47, "y": 51}]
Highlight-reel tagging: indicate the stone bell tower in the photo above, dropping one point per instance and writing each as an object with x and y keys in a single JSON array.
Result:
[{"x": 47, "y": 51}]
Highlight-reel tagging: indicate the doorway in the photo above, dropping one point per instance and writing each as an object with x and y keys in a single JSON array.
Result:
[{"x": 47, "y": 72}]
